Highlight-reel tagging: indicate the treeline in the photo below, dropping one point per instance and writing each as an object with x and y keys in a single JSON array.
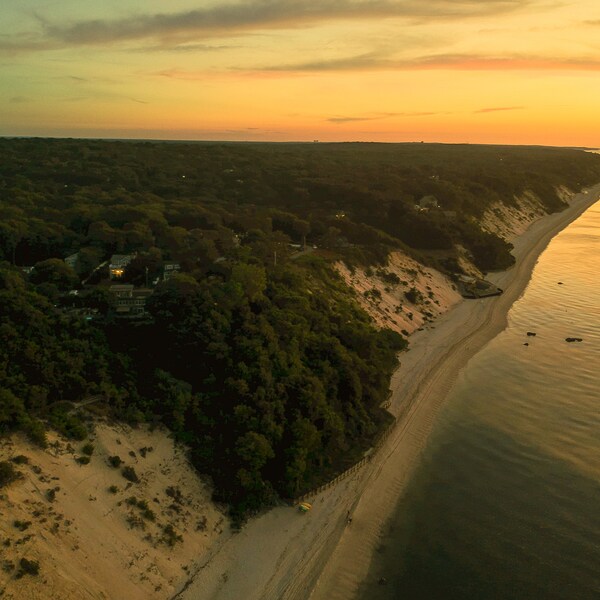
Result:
[{"x": 265, "y": 366}]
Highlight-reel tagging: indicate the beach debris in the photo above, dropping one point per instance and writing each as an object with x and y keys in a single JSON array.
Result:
[
  {"x": 560, "y": 283},
  {"x": 526, "y": 344},
  {"x": 304, "y": 507},
  {"x": 573, "y": 339},
  {"x": 531, "y": 334}
]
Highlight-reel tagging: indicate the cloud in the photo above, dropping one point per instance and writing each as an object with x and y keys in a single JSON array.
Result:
[
  {"x": 370, "y": 60},
  {"x": 13, "y": 45},
  {"x": 183, "y": 48},
  {"x": 183, "y": 75},
  {"x": 456, "y": 62},
  {"x": 252, "y": 15},
  {"x": 351, "y": 119},
  {"x": 378, "y": 116},
  {"x": 497, "y": 109}
]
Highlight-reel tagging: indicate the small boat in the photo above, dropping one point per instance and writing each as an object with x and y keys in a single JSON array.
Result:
[{"x": 304, "y": 507}]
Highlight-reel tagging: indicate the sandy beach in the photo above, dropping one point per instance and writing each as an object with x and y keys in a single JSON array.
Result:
[{"x": 286, "y": 555}]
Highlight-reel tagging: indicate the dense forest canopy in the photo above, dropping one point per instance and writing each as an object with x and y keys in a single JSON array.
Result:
[{"x": 258, "y": 358}]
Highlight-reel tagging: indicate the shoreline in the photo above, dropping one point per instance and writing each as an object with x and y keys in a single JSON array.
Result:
[{"x": 285, "y": 555}]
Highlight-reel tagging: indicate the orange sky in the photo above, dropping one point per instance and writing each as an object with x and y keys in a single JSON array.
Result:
[{"x": 480, "y": 71}]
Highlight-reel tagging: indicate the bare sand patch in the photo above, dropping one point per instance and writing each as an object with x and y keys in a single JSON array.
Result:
[
  {"x": 403, "y": 296},
  {"x": 91, "y": 539}
]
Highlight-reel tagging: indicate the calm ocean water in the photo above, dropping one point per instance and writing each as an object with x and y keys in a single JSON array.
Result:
[{"x": 506, "y": 502}]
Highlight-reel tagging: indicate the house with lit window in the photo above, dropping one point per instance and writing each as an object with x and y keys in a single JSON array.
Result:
[{"x": 117, "y": 264}]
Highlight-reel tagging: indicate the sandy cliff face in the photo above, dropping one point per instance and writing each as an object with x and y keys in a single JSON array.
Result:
[
  {"x": 404, "y": 295},
  {"x": 92, "y": 540},
  {"x": 387, "y": 294},
  {"x": 509, "y": 222}
]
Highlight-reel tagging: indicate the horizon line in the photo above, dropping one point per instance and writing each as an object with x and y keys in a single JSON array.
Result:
[{"x": 274, "y": 142}]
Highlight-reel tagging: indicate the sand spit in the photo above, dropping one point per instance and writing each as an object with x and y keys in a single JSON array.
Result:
[
  {"x": 92, "y": 540},
  {"x": 284, "y": 555}
]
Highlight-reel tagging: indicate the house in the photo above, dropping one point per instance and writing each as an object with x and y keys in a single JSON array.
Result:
[
  {"x": 169, "y": 268},
  {"x": 129, "y": 302},
  {"x": 117, "y": 264},
  {"x": 428, "y": 202},
  {"x": 72, "y": 260}
]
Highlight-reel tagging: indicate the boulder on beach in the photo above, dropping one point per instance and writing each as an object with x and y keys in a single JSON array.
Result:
[
  {"x": 573, "y": 339},
  {"x": 531, "y": 334}
]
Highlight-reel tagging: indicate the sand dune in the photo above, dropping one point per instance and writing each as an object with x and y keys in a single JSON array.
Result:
[{"x": 89, "y": 539}]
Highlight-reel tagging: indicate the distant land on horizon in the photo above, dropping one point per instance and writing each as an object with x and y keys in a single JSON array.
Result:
[{"x": 291, "y": 142}]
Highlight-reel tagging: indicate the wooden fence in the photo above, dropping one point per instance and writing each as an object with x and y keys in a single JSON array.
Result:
[{"x": 355, "y": 467}]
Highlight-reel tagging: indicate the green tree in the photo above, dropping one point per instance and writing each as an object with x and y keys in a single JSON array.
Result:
[
  {"x": 55, "y": 271},
  {"x": 252, "y": 279}
]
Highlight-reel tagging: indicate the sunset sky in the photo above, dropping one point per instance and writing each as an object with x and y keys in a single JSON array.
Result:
[{"x": 479, "y": 71}]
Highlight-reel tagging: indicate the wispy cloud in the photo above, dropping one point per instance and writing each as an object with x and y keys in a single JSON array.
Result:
[
  {"x": 458, "y": 62},
  {"x": 13, "y": 45},
  {"x": 243, "y": 17},
  {"x": 183, "y": 48},
  {"x": 180, "y": 74},
  {"x": 351, "y": 119},
  {"x": 497, "y": 109},
  {"x": 379, "y": 116}
]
